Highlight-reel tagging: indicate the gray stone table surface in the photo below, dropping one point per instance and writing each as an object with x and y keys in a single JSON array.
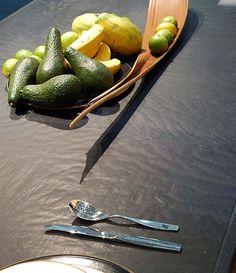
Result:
[{"x": 164, "y": 151}]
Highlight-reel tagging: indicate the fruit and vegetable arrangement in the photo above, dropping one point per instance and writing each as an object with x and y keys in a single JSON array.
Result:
[{"x": 80, "y": 63}]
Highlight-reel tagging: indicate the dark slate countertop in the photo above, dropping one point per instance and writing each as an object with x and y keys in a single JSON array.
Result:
[{"x": 165, "y": 151}]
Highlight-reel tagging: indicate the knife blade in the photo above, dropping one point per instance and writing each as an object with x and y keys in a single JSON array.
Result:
[{"x": 135, "y": 240}]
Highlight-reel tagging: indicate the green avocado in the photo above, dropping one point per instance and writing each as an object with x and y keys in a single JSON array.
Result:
[
  {"x": 23, "y": 73},
  {"x": 95, "y": 76},
  {"x": 53, "y": 61},
  {"x": 59, "y": 91}
]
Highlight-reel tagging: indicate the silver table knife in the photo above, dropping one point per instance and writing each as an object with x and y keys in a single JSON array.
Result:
[{"x": 135, "y": 240}]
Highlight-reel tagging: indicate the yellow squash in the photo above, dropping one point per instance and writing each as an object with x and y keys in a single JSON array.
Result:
[
  {"x": 113, "y": 65},
  {"x": 104, "y": 52},
  {"x": 88, "y": 43},
  {"x": 84, "y": 22}
]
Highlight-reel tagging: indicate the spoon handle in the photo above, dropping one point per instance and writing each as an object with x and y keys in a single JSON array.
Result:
[{"x": 148, "y": 223}]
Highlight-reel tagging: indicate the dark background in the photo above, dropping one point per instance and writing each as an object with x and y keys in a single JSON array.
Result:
[{"x": 7, "y": 7}]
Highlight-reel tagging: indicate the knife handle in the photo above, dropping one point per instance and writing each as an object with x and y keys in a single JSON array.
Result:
[{"x": 149, "y": 242}]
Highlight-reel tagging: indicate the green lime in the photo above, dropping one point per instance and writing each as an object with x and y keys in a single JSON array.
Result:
[
  {"x": 167, "y": 34},
  {"x": 23, "y": 53},
  {"x": 170, "y": 19},
  {"x": 37, "y": 58},
  {"x": 68, "y": 38},
  {"x": 169, "y": 26},
  {"x": 40, "y": 51},
  {"x": 158, "y": 44},
  {"x": 8, "y": 66}
]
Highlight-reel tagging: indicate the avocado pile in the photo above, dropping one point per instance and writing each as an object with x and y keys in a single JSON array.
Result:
[{"x": 61, "y": 79}]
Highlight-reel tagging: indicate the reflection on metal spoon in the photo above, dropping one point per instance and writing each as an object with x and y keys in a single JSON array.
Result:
[{"x": 86, "y": 211}]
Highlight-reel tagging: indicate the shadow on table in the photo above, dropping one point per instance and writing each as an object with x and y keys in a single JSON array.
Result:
[
  {"x": 113, "y": 130},
  {"x": 59, "y": 119}
]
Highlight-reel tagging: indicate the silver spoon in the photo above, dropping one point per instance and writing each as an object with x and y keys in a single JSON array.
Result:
[{"x": 86, "y": 211}]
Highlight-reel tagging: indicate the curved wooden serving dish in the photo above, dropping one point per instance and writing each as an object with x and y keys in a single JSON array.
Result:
[{"x": 157, "y": 10}]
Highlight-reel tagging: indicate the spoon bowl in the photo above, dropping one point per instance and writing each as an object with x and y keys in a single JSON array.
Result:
[{"x": 88, "y": 212}]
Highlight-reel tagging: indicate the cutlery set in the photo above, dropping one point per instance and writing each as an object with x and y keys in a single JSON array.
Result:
[{"x": 87, "y": 212}]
